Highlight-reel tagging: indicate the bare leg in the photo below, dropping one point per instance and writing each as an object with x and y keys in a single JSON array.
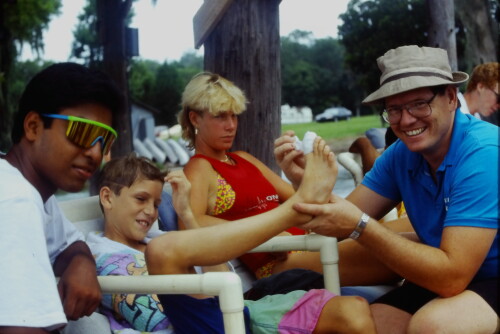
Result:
[
  {"x": 346, "y": 315},
  {"x": 368, "y": 153},
  {"x": 177, "y": 252},
  {"x": 303, "y": 260},
  {"x": 390, "y": 320},
  {"x": 357, "y": 266},
  {"x": 463, "y": 313}
]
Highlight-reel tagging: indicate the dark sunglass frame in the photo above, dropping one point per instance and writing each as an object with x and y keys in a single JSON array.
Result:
[{"x": 385, "y": 112}]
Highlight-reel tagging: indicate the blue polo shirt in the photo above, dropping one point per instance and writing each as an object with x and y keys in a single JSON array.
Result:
[{"x": 466, "y": 191}]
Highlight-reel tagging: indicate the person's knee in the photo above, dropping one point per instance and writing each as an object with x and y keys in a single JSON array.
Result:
[
  {"x": 361, "y": 145},
  {"x": 363, "y": 321},
  {"x": 424, "y": 324},
  {"x": 464, "y": 313},
  {"x": 162, "y": 256},
  {"x": 350, "y": 312},
  {"x": 426, "y": 321}
]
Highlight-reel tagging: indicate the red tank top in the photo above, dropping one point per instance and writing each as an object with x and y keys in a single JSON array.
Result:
[{"x": 254, "y": 195}]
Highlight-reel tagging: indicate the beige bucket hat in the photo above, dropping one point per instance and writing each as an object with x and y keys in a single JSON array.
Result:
[{"x": 410, "y": 67}]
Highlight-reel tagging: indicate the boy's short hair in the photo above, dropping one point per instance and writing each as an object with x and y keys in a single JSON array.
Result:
[
  {"x": 124, "y": 171},
  {"x": 65, "y": 85}
]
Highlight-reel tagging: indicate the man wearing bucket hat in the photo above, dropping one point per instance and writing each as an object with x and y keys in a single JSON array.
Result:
[{"x": 440, "y": 167}]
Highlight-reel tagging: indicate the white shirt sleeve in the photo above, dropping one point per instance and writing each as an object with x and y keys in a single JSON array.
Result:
[{"x": 59, "y": 231}]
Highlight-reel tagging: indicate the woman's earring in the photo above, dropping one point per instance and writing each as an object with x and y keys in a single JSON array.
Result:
[{"x": 195, "y": 131}]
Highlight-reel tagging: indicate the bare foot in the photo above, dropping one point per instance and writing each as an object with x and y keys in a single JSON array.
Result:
[{"x": 320, "y": 174}]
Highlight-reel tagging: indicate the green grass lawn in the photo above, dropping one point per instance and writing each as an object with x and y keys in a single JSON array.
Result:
[{"x": 356, "y": 126}]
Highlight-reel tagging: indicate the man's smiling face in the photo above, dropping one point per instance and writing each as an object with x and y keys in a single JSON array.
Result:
[{"x": 428, "y": 135}]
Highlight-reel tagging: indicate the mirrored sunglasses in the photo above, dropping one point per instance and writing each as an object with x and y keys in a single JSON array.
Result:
[{"x": 86, "y": 133}]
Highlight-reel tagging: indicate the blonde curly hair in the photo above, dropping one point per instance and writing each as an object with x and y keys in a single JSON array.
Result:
[{"x": 212, "y": 93}]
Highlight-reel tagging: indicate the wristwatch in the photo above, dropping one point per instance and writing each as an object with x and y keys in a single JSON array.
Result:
[{"x": 363, "y": 221}]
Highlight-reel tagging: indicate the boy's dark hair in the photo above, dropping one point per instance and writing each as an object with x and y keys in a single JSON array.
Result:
[
  {"x": 124, "y": 171},
  {"x": 62, "y": 86}
]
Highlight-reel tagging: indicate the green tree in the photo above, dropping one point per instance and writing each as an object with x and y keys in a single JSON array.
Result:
[
  {"x": 157, "y": 85},
  {"x": 161, "y": 85},
  {"x": 299, "y": 83},
  {"x": 371, "y": 27},
  {"x": 297, "y": 71},
  {"x": 21, "y": 21},
  {"x": 142, "y": 79},
  {"x": 167, "y": 94},
  {"x": 331, "y": 77},
  {"x": 22, "y": 73},
  {"x": 86, "y": 45},
  {"x": 313, "y": 73},
  {"x": 189, "y": 65}
]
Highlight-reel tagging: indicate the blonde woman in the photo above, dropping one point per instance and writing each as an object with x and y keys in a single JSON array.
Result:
[{"x": 226, "y": 185}]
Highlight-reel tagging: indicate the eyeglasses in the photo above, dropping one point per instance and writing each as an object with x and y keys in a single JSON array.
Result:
[
  {"x": 496, "y": 94},
  {"x": 418, "y": 109},
  {"x": 86, "y": 133}
]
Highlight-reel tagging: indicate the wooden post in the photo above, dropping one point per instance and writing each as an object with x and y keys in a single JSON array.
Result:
[
  {"x": 442, "y": 32},
  {"x": 112, "y": 14},
  {"x": 245, "y": 48}
]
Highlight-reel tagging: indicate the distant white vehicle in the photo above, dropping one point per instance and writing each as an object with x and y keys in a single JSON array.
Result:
[{"x": 334, "y": 114}]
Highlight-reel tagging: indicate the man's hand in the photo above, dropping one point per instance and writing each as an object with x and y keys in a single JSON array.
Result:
[
  {"x": 78, "y": 286},
  {"x": 338, "y": 218},
  {"x": 290, "y": 160}
]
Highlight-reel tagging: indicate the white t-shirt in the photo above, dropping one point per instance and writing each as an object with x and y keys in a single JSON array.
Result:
[
  {"x": 32, "y": 235},
  {"x": 464, "y": 108}
]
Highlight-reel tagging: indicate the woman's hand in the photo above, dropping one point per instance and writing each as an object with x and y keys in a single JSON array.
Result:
[
  {"x": 289, "y": 159},
  {"x": 181, "y": 194}
]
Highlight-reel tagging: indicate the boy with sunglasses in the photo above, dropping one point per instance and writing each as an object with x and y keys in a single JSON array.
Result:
[{"x": 61, "y": 132}]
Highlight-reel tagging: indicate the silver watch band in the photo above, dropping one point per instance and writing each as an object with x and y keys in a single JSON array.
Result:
[{"x": 360, "y": 227}]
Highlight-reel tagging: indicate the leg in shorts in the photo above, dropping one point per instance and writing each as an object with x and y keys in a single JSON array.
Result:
[
  {"x": 189, "y": 315},
  {"x": 292, "y": 313},
  {"x": 296, "y": 312},
  {"x": 410, "y": 297}
]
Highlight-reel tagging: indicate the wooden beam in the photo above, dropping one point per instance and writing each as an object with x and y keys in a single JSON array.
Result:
[
  {"x": 245, "y": 48},
  {"x": 206, "y": 19}
]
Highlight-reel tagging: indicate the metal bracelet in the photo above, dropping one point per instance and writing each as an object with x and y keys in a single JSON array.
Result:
[{"x": 360, "y": 227}]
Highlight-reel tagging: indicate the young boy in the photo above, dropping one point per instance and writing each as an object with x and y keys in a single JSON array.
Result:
[
  {"x": 130, "y": 194},
  {"x": 61, "y": 132}
]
